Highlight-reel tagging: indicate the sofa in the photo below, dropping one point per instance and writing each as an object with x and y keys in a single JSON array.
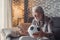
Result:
[
  {"x": 55, "y": 28},
  {"x": 14, "y": 32}
]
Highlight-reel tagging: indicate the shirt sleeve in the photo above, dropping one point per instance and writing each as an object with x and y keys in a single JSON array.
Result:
[
  {"x": 50, "y": 25},
  {"x": 49, "y": 29}
]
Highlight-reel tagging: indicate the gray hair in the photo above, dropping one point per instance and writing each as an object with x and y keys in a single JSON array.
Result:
[{"x": 37, "y": 9}]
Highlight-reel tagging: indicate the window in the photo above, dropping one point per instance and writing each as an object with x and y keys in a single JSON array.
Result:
[{"x": 22, "y": 9}]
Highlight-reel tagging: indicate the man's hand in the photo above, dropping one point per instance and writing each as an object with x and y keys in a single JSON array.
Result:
[{"x": 38, "y": 34}]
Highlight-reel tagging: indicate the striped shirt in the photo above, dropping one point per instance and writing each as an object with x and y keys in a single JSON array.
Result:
[{"x": 45, "y": 25}]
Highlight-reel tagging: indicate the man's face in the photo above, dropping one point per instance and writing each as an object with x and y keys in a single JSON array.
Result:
[{"x": 38, "y": 16}]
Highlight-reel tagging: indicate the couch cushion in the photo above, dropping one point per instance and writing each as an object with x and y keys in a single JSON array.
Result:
[
  {"x": 56, "y": 27},
  {"x": 56, "y": 22}
]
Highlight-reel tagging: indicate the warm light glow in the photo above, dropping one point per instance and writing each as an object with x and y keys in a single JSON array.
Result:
[{"x": 18, "y": 12}]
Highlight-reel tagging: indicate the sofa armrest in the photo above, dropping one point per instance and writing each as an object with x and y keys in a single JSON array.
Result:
[
  {"x": 26, "y": 38},
  {"x": 8, "y": 33},
  {"x": 4, "y": 33}
]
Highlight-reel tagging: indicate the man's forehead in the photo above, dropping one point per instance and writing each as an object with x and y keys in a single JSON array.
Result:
[{"x": 38, "y": 14}]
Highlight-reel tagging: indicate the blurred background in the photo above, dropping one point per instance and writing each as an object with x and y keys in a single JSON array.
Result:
[{"x": 22, "y": 9}]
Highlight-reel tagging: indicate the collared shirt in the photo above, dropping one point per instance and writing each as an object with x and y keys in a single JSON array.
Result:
[{"x": 46, "y": 26}]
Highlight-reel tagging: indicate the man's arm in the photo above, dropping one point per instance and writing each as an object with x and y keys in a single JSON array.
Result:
[
  {"x": 48, "y": 34},
  {"x": 51, "y": 25}
]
